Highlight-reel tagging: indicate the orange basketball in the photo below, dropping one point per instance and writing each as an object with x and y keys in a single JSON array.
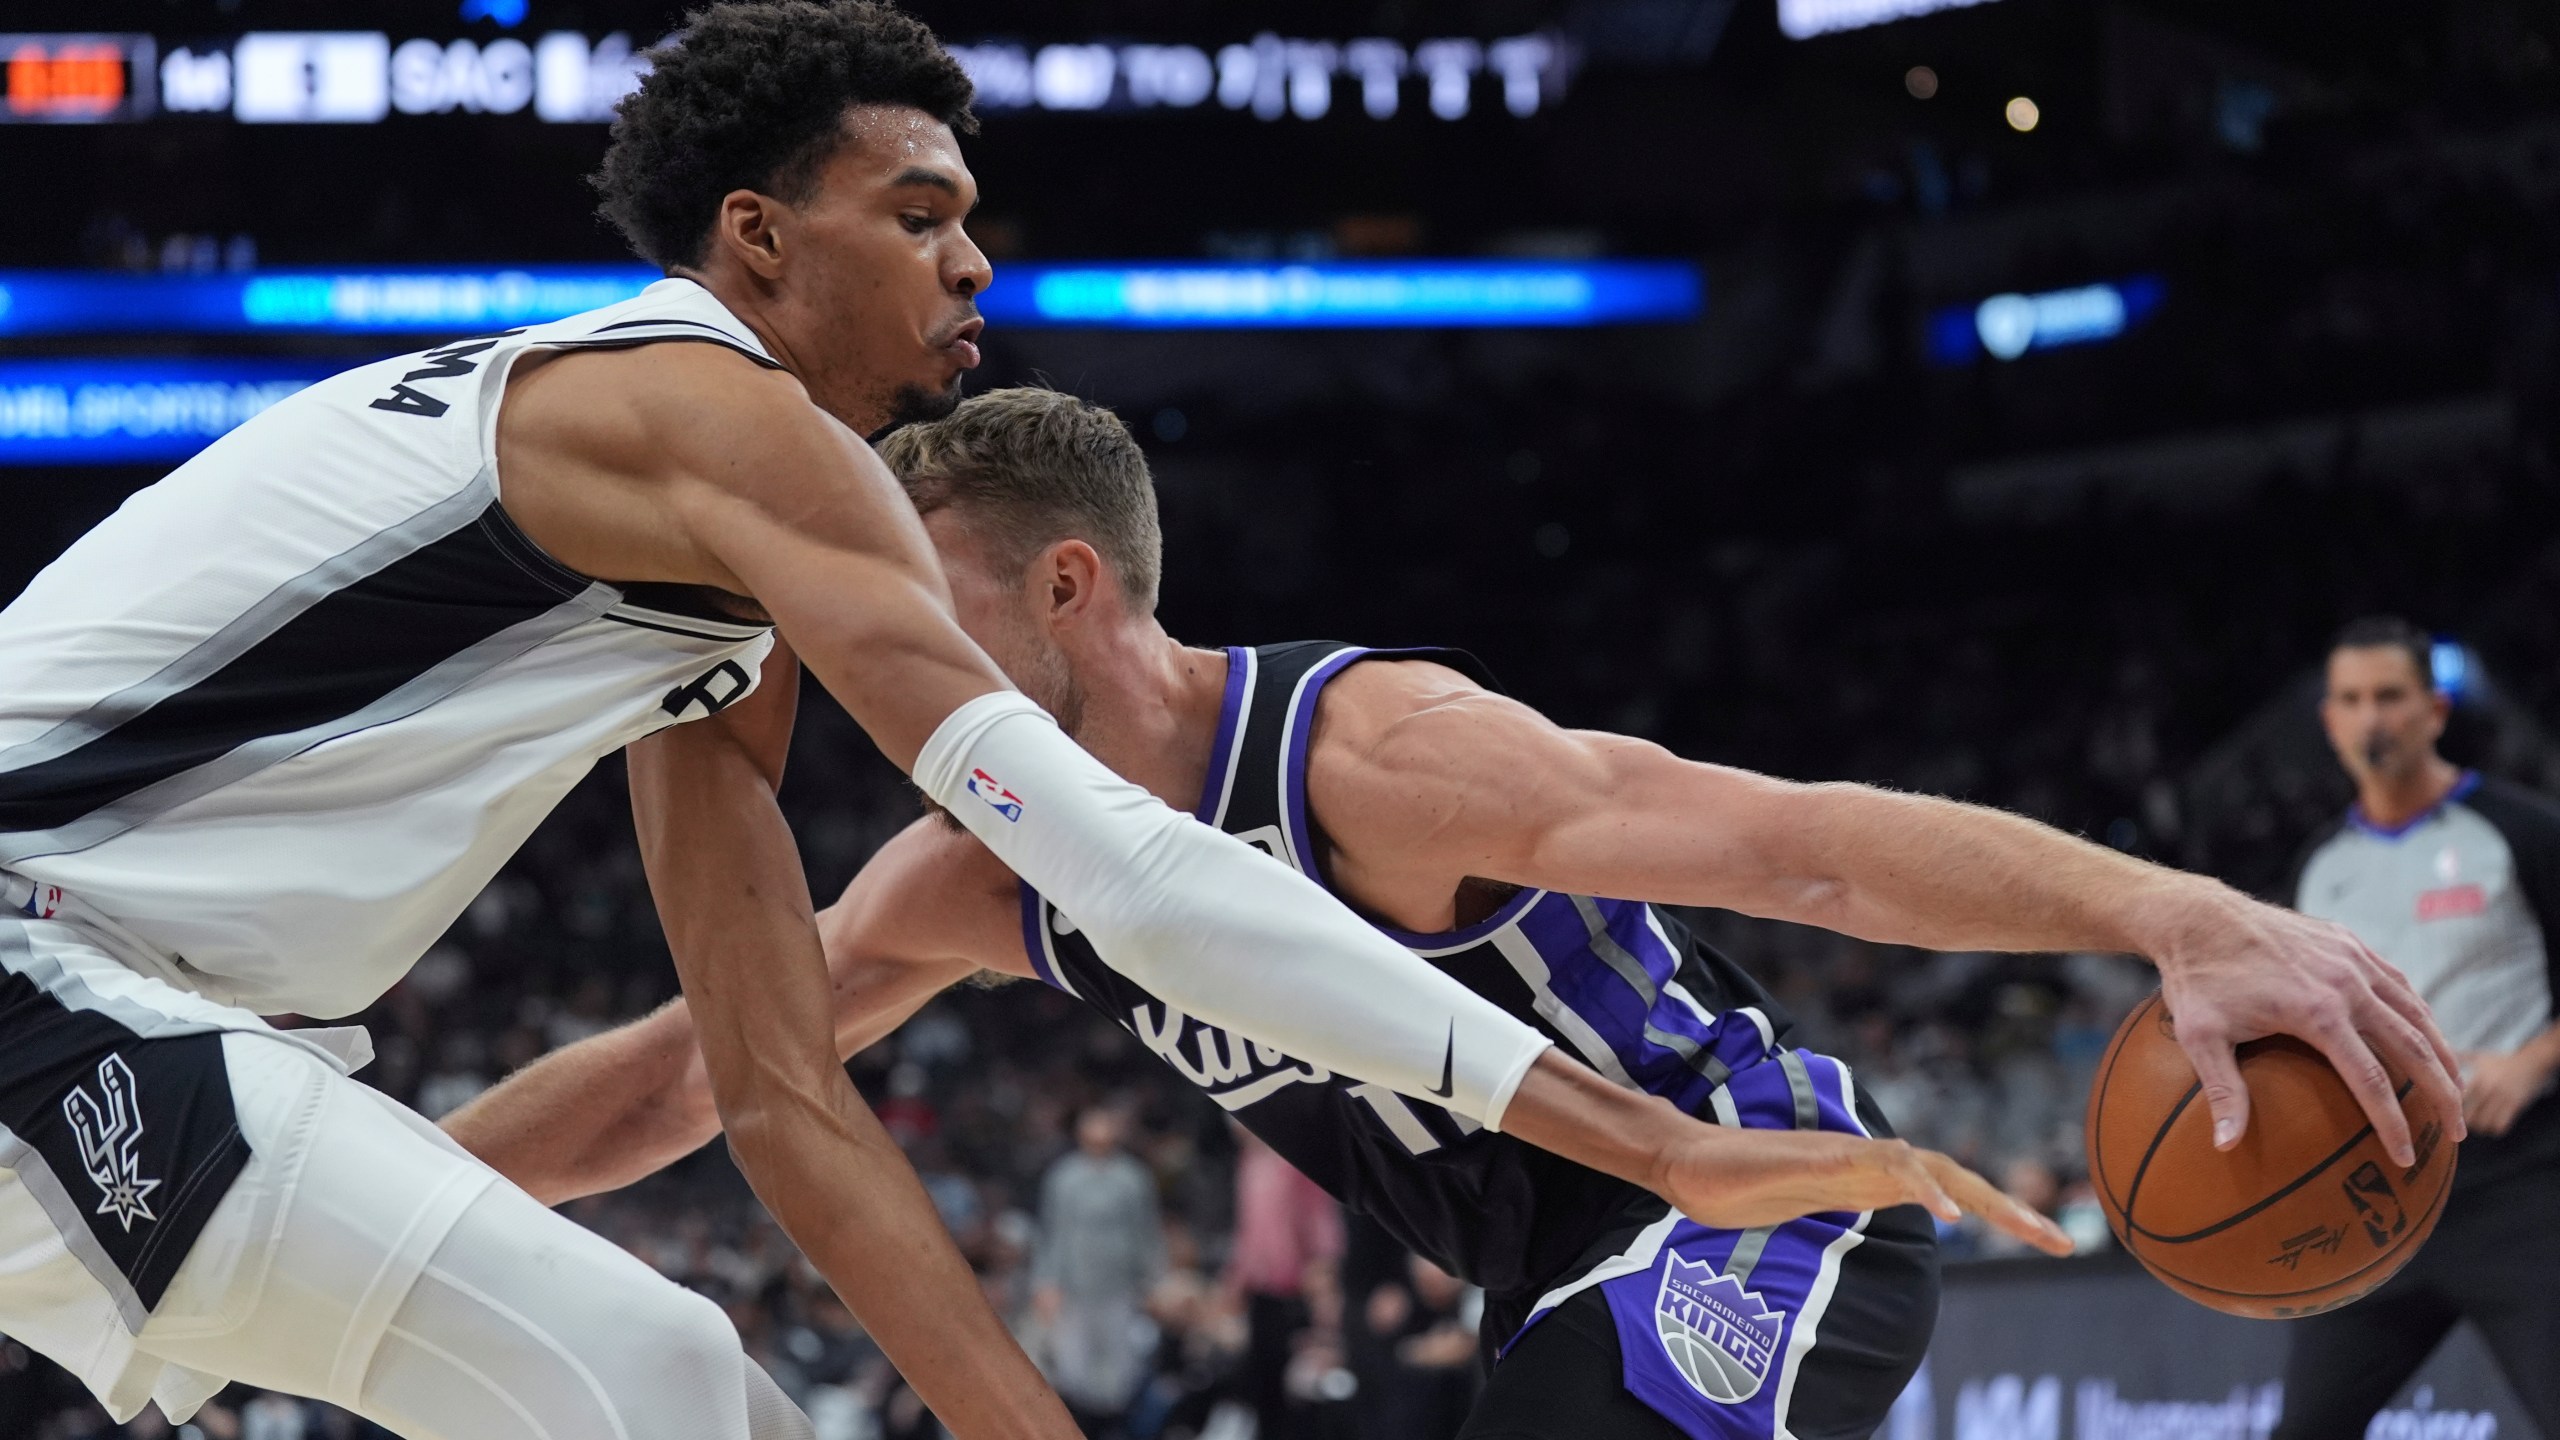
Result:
[{"x": 2306, "y": 1214}]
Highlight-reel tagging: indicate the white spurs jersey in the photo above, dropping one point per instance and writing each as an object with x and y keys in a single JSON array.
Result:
[{"x": 278, "y": 719}]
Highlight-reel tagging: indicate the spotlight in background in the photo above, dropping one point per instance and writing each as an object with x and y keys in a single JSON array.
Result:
[
  {"x": 1921, "y": 81},
  {"x": 2457, "y": 672},
  {"x": 2023, "y": 114}
]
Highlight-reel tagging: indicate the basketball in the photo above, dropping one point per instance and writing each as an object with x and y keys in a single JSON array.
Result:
[{"x": 2306, "y": 1214}]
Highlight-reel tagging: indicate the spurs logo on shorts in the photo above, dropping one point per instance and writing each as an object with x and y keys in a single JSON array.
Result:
[
  {"x": 1720, "y": 1337},
  {"x": 110, "y": 1134}
]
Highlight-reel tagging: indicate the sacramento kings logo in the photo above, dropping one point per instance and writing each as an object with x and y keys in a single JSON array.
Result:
[{"x": 1719, "y": 1336}]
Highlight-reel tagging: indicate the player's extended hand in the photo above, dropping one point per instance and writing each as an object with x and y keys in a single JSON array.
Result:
[
  {"x": 2240, "y": 970},
  {"x": 1737, "y": 1179}
]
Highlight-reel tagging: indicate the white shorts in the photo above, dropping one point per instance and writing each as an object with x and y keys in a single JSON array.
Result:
[
  {"x": 140, "y": 1210},
  {"x": 189, "y": 1198}
]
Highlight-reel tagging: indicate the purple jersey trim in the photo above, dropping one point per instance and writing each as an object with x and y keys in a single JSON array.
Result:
[
  {"x": 1302, "y": 724},
  {"x": 1031, "y": 940},
  {"x": 2462, "y": 787},
  {"x": 1511, "y": 910},
  {"x": 1230, "y": 713}
]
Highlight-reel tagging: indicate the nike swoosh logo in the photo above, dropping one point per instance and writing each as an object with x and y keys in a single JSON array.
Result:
[{"x": 1448, "y": 1063}]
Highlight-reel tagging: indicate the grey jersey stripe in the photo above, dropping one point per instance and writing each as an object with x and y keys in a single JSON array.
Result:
[
  {"x": 101, "y": 825},
  {"x": 374, "y": 553},
  {"x": 1618, "y": 958},
  {"x": 1800, "y": 1086},
  {"x": 1808, "y": 1107},
  {"x": 1614, "y": 955},
  {"x": 18, "y": 957}
]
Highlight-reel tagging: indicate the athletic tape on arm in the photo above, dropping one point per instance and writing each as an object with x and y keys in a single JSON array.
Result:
[{"x": 1214, "y": 927}]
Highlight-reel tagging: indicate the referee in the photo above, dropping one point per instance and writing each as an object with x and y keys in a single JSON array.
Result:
[{"x": 2455, "y": 878}]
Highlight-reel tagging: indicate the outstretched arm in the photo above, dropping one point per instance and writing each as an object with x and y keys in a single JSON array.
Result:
[
  {"x": 933, "y": 908},
  {"x": 1424, "y": 769},
  {"x": 736, "y": 908},
  {"x": 596, "y": 1115},
  {"x": 755, "y": 493},
  {"x": 928, "y": 911},
  {"x": 731, "y": 479},
  {"x": 616, "y": 463}
]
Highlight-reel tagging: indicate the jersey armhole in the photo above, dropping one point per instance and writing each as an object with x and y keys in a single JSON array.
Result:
[
  {"x": 493, "y": 382},
  {"x": 1035, "y": 940},
  {"x": 1300, "y": 831},
  {"x": 494, "y": 378}
]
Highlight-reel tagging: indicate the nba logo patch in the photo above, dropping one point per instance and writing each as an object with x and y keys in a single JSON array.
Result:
[
  {"x": 1004, "y": 802},
  {"x": 1720, "y": 1337}
]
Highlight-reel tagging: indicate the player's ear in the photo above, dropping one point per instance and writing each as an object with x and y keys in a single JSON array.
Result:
[
  {"x": 1073, "y": 572},
  {"x": 747, "y": 229}
]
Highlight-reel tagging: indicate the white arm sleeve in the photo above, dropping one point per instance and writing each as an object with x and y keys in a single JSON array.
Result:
[{"x": 1214, "y": 927}]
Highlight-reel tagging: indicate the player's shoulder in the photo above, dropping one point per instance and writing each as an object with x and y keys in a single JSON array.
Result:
[
  {"x": 1410, "y": 735},
  {"x": 659, "y": 402},
  {"x": 1374, "y": 696}
]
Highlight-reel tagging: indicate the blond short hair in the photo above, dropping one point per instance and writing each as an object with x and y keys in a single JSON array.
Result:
[{"x": 1032, "y": 467}]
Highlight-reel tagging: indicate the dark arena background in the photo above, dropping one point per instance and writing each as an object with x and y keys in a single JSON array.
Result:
[{"x": 2005, "y": 400}]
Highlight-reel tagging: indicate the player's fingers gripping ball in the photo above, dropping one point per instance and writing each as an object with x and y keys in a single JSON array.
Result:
[{"x": 2305, "y": 1214}]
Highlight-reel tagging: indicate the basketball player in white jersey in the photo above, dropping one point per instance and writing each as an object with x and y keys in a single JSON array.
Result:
[{"x": 266, "y": 730}]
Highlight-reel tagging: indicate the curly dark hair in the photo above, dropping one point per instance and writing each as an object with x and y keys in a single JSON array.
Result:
[{"x": 751, "y": 94}]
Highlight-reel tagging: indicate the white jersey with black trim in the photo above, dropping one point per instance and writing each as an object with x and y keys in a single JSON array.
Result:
[{"x": 276, "y": 721}]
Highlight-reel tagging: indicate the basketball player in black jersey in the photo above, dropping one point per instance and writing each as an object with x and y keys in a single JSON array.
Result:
[{"x": 1491, "y": 843}]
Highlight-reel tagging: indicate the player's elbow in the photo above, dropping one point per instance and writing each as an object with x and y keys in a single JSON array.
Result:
[
  {"x": 1799, "y": 832},
  {"x": 764, "y": 1132},
  {"x": 1823, "y": 901},
  {"x": 775, "y": 1097}
]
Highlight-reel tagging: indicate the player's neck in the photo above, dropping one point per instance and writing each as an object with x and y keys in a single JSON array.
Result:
[
  {"x": 2391, "y": 801},
  {"x": 753, "y": 307},
  {"x": 1151, "y": 707}
]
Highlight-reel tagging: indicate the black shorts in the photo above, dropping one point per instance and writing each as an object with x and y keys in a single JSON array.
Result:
[{"x": 1566, "y": 1377}]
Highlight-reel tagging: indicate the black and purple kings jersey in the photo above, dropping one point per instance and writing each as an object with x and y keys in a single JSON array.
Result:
[{"x": 1719, "y": 1328}]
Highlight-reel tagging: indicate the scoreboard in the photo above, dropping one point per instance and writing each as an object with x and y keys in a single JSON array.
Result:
[
  {"x": 364, "y": 77},
  {"x": 76, "y": 79}
]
